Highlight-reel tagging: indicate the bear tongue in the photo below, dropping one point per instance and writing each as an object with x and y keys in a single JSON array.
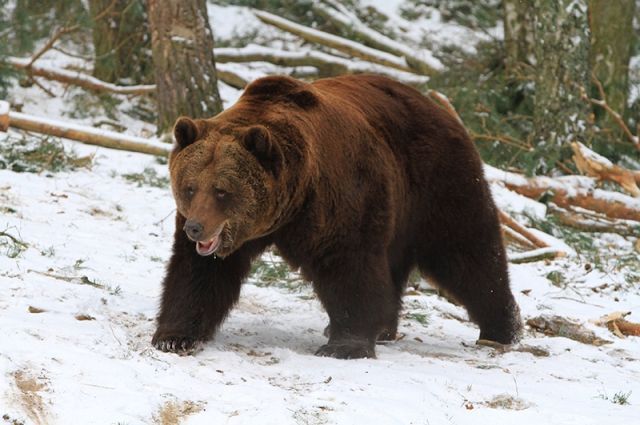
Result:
[{"x": 207, "y": 248}]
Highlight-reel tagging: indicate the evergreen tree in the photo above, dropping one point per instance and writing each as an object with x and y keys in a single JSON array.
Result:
[
  {"x": 562, "y": 69},
  {"x": 121, "y": 40}
]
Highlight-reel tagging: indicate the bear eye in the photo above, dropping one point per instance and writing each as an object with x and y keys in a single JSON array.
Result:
[
  {"x": 221, "y": 194},
  {"x": 190, "y": 191}
]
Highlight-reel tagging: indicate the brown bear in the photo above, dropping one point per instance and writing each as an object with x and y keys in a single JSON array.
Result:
[{"x": 356, "y": 180}]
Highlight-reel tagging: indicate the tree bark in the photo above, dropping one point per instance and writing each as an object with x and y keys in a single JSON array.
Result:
[
  {"x": 121, "y": 41},
  {"x": 611, "y": 24},
  {"x": 562, "y": 48},
  {"x": 519, "y": 38},
  {"x": 185, "y": 73}
]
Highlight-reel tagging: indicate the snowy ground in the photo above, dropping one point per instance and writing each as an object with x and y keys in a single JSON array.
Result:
[
  {"x": 58, "y": 368},
  {"x": 77, "y": 309}
]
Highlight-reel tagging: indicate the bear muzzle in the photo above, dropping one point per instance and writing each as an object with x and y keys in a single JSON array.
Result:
[{"x": 204, "y": 246}]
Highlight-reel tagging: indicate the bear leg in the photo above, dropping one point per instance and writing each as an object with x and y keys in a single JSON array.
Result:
[
  {"x": 198, "y": 293},
  {"x": 360, "y": 299},
  {"x": 479, "y": 280}
]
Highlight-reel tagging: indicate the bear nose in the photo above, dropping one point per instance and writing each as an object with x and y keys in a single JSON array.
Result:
[{"x": 193, "y": 229}]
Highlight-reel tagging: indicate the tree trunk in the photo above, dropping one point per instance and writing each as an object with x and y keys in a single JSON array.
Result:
[
  {"x": 519, "y": 39},
  {"x": 182, "y": 46},
  {"x": 562, "y": 49},
  {"x": 611, "y": 24},
  {"x": 121, "y": 41}
]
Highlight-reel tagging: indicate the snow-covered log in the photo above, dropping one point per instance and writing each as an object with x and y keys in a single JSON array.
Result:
[
  {"x": 421, "y": 61},
  {"x": 88, "y": 82},
  {"x": 536, "y": 255},
  {"x": 84, "y": 134},
  {"x": 77, "y": 78},
  {"x": 327, "y": 65},
  {"x": 596, "y": 165},
  {"x": 589, "y": 221},
  {"x": 511, "y": 223},
  {"x": 333, "y": 41},
  {"x": 569, "y": 191}
]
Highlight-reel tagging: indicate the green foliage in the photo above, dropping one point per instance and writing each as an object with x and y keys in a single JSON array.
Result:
[
  {"x": 274, "y": 272},
  {"x": 302, "y": 12},
  {"x": 148, "y": 177},
  {"x": 620, "y": 398},
  {"x": 11, "y": 245},
  {"x": 471, "y": 13},
  {"x": 496, "y": 109},
  {"x": 34, "y": 20},
  {"x": 122, "y": 42},
  {"x": 557, "y": 278},
  {"x": 37, "y": 154},
  {"x": 421, "y": 318},
  {"x": 298, "y": 10},
  {"x": 5, "y": 30}
]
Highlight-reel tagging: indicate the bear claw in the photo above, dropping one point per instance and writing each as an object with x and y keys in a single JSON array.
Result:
[{"x": 177, "y": 344}]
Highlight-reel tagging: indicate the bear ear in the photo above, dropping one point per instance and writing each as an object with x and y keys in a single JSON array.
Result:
[
  {"x": 305, "y": 99},
  {"x": 258, "y": 141},
  {"x": 186, "y": 131}
]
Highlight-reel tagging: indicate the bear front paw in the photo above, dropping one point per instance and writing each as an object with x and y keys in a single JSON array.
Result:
[
  {"x": 347, "y": 350},
  {"x": 182, "y": 345}
]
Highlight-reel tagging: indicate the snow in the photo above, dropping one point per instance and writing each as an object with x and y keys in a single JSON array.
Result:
[
  {"x": 91, "y": 226},
  {"x": 351, "y": 20},
  {"x": 431, "y": 28},
  {"x": 634, "y": 77},
  {"x": 353, "y": 46},
  {"x": 260, "y": 368}
]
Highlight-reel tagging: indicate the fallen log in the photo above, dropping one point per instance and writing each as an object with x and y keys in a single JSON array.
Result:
[
  {"x": 589, "y": 221},
  {"x": 344, "y": 45},
  {"x": 520, "y": 229},
  {"x": 511, "y": 237},
  {"x": 349, "y": 23},
  {"x": 617, "y": 324},
  {"x": 81, "y": 133},
  {"x": 569, "y": 191},
  {"x": 534, "y": 255},
  {"x": 80, "y": 79},
  {"x": 327, "y": 65},
  {"x": 231, "y": 74},
  {"x": 77, "y": 78},
  {"x": 596, "y": 165}
]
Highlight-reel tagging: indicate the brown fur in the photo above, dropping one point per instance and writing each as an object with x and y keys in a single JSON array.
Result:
[{"x": 356, "y": 180}]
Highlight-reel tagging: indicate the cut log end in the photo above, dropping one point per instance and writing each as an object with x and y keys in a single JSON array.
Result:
[{"x": 4, "y": 115}]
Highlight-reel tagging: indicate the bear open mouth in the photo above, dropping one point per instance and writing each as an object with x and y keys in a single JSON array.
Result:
[{"x": 208, "y": 247}]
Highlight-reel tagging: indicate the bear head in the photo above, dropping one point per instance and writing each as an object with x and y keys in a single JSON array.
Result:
[{"x": 223, "y": 182}]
